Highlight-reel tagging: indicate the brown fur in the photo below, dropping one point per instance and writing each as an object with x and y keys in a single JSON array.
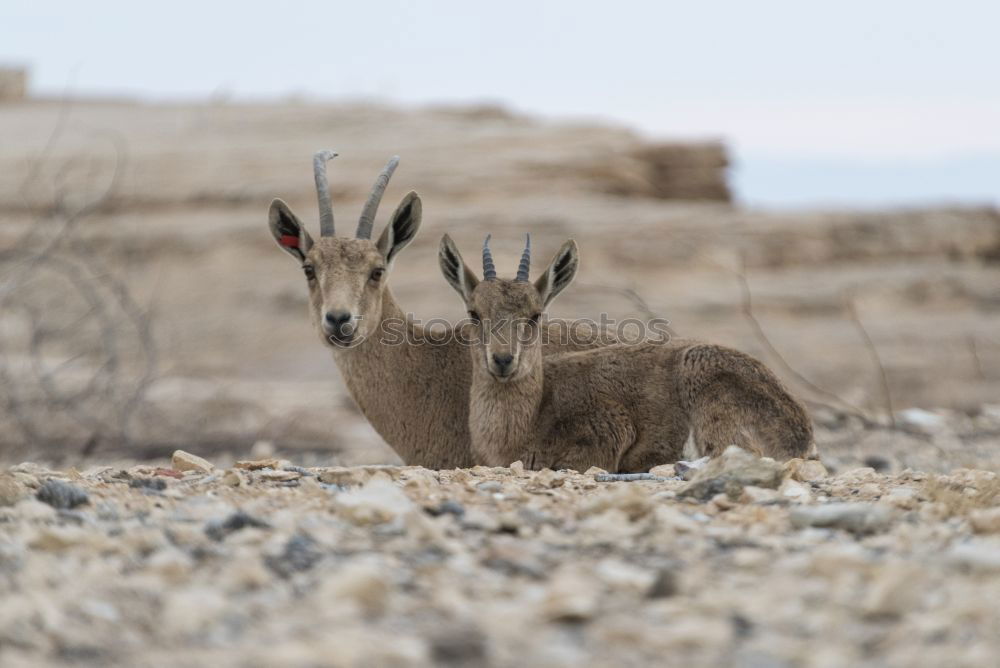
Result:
[
  {"x": 415, "y": 396},
  {"x": 626, "y": 407}
]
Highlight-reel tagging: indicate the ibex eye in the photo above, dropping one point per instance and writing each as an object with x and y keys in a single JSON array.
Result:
[
  {"x": 377, "y": 274},
  {"x": 309, "y": 271},
  {"x": 474, "y": 316}
]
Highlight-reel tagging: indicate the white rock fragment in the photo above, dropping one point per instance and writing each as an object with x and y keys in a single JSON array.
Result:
[
  {"x": 185, "y": 461},
  {"x": 854, "y": 517},
  {"x": 985, "y": 520},
  {"x": 978, "y": 555},
  {"x": 572, "y": 595},
  {"x": 377, "y": 501}
]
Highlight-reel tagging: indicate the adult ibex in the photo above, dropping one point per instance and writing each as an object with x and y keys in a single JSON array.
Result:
[
  {"x": 624, "y": 408},
  {"x": 414, "y": 392}
]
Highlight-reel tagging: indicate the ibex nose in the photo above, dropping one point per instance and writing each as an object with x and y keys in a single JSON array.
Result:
[
  {"x": 503, "y": 362},
  {"x": 338, "y": 325}
]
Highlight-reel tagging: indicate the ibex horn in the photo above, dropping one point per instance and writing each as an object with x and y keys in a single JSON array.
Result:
[
  {"x": 371, "y": 206},
  {"x": 323, "y": 192},
  {"x": 489, "y": 271},
  {"x": 525, "y": 265}
]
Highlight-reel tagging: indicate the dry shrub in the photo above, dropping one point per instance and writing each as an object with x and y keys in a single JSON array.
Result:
[{"x": 961, "y": 498}]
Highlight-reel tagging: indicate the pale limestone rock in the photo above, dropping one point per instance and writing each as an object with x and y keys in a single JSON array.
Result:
[
  {"x": 185, "y": 461},
  {"x": 985, "y": 520},
  {"x": 854, "y": 517},
  {"x": 256, "y": 464},
  {"x": 379, "y": 500},
  {"x": 665, "y": 470},
  {"x": 364, "y": 584},
  {"x": 753, "y": 494},
  {"x": 805, "y": 470},
  {"x": 795, "y": 491},
  {"x": 11, "y": 490},
  {"x": 572, "y": 594}
]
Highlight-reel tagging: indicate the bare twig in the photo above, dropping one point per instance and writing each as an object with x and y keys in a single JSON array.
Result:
[
  {"x": 838, "y": 404},
  {"x": 977, "y": 363},
  {"x": 875, "y": 357}
]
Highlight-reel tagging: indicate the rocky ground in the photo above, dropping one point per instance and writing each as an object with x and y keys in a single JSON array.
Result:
[{"x": 737, "y": 561}]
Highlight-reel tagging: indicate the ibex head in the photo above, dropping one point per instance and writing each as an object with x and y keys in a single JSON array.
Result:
[
  {"x": 508, "y": 312},
  {"x": 346, "y": 277}
]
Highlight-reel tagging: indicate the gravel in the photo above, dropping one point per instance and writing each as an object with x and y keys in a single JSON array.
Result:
[{"x": 402, "y": 566}]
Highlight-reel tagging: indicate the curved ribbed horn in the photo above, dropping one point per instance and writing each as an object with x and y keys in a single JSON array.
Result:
[
  {"x": 489, "y": 271},
  {"x": 323, "y": 192},
  {"x": 525, "y": 265},
  {"x": 371, "y": 206}
]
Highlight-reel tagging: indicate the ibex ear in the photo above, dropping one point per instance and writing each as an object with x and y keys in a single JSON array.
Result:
[
  {"x": 402, "y": 228},
  {"x": 290, "y": 234},
  {"x": 559, "y": 273},
  {"x": 453, "y": 267}
]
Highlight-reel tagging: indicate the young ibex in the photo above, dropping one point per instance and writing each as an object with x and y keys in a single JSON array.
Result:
[
  {"x": 416, "y": 395},
  {"x": 624, "y": 408}
]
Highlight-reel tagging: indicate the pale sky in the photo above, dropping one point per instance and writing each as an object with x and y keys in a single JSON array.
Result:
[{"x": 854, "y": 102}]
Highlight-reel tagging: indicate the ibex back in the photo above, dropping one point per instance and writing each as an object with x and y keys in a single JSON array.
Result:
[{"x": 624, "y": 408}]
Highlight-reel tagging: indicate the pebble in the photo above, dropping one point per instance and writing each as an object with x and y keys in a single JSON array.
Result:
[
  {"x": 219, "y": 529},
  {"x": 61, "y": 495},
  {"x": 10, "y": 490},
  {"x": 985, "y": 520},
  {"x": 860, "y": 518},
  {"x": 377, "y": 501},
  {"x": 185, "y": 461},
  {"x": 729, "y": 473}
]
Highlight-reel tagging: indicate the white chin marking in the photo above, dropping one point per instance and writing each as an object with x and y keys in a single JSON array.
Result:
[{"x": 691, "y": 448}]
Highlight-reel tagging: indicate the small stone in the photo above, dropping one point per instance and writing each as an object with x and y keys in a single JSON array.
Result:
[
  {"x": 256, "y": 464},
  {"x": 517, "y": 468},
  {"x": 449, "y": 507},
  {"x": 378, "y": 501},
  {"x": 546, "y": 479},
  {"x": 571, "y": 596},
  {"x": 730, "y": 472},
  {"x": 362, "y": 583},
  {"x": 61, "y": 495},
  {"x": 665, "y": 585},
  {"x": 476, "y": 518},
  {"x": 346, "y": 477},
  {"x": 10, "y": 490},
  {"x": 985, "y": 520},
  {"x": 794, "y": 491},
  {"x": 278, "y": 476},
  {"x": 300, "y": 553},
  {"x": 687, "y": 470},
  {"x": 805, "y": 470},
  {"x": 185, "y": 461},
  {"x": 977, "y": 555},
  {"x": 664, "y": 470},
  {"x": 232, "y": 479},
  {"x": 150, "y": 484},
  {"x": 860, "y": 518},
  {"x": 594, "y": 470},
  {"x": 490, "y": 486},
  {"x": 760, "y": 495},
  {"x": 219, "y": 529}
]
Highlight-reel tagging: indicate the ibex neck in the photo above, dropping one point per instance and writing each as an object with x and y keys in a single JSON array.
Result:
[
  {"x": 503, "y": 416},
  {"x": 414, "y": 393}
]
